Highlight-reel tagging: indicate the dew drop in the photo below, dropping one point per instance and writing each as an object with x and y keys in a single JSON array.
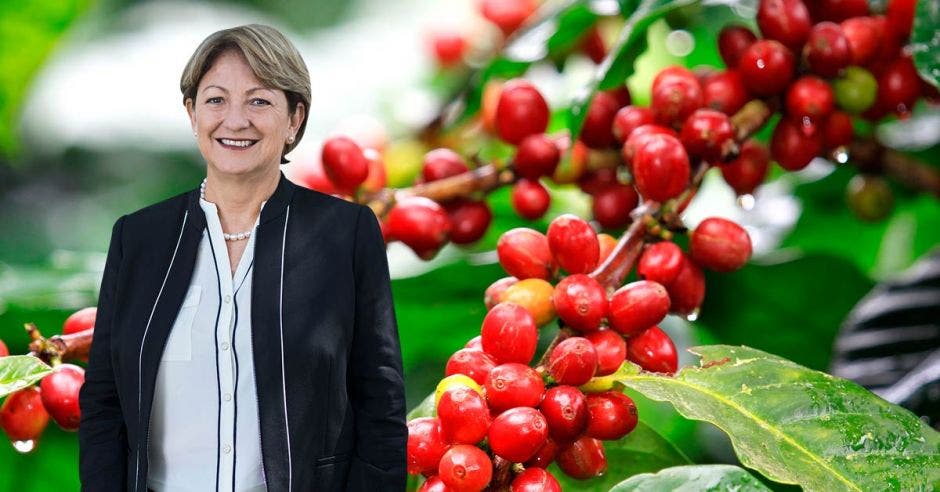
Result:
[
  {"x": 24, "y": 446},
  {"x": 841, "y": 155},
  {"x": 693, "y": 315},
  {"x": 746, "y": 201}
]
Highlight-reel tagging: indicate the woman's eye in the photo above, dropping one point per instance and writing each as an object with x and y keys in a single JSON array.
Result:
[
  {"x": 261, "y": 100},
  {"x": 212, "y": 99}
]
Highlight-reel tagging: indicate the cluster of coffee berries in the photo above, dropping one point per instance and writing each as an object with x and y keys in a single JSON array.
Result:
[
  {"x": 492, "y": 403},
  {"x": 26, "y": 412}
]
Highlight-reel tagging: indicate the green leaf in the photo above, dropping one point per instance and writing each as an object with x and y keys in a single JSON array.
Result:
[
  {"x": 29, "y": 31},
  {"x": 20, "y": 371},
  {"x": 925, "y": 41},
  {"x": 693, "y": 479},
  {"x": 641, "y": 451},
  {"x": 424, "y": 409},
  {"x": 800, "y": 426},
  {"x": 776, "y": 298}
]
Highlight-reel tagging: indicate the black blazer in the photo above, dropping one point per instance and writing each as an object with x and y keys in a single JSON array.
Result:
[{"x": 327, "y": 357}]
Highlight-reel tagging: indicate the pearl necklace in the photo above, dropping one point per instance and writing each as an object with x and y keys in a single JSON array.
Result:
[{"x": 228, "y": 237}]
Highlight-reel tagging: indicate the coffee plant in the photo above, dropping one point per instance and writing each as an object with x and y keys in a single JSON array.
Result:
[{"x": 801, "y": 80}]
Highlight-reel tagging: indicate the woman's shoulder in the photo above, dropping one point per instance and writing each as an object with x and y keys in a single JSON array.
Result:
[{"x": 164, "y": 210}]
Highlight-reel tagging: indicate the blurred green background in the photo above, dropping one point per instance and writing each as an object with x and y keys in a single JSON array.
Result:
[{"x": 91, "y": 127}]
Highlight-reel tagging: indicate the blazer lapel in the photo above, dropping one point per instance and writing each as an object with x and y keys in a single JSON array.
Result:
[{"x": 266, "y": 336}]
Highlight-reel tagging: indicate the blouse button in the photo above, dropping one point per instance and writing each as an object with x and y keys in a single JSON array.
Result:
[
  {"x": 227, "y": 449},
  {"x": 228, "y": 299},
  {"x": 224, "y": 345},
  {"x": 227, "y": 397}
]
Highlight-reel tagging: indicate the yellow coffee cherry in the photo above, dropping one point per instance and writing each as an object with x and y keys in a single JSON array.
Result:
[
  {"x": 535, "y": 295},
  {"x": 453, "y": 381}
]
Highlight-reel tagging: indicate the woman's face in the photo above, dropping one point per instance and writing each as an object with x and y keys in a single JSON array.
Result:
[{"x": 232, "y": 104}]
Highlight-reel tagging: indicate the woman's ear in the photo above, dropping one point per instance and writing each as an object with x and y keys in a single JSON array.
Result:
[
  {"x": 298, "y": 117},
  {"x": 191, "y": 112}
]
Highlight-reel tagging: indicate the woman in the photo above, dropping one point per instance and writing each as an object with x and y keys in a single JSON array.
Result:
[{"x": 246, "y": 338}]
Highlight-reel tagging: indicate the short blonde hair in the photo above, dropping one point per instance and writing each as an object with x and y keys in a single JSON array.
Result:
[{"x": 274, "y": 60}]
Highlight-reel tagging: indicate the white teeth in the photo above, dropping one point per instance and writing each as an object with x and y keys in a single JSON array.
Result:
[{"x": 237, "y": 143}]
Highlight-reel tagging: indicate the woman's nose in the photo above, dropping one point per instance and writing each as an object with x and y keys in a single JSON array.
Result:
[{"x": 236, "y": 117}]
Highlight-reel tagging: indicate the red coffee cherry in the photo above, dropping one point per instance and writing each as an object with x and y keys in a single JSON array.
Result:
[
  {"x": 837, "y": 10},
  {"x": 720, "y": 245},
  {"x": 899, "y": 86},
  {"x": 536, "y": 156},
  {"x": 80, "y": 320},
  {"x": 725, "y": 92},
  {"x": 638, "y": 138},
  {"x": 420, "y": 223},
  {"x": 660, "y": 262},
  {"x": 425, "y": 445},
  {"x": 60, "y": 395},
  {"x": 661, "y": 168},
  {"x": 513, "y": 385},
  {"x": 709, "y": 135},
  {"x": 827, "y": 50},
  {"x": 654, "y": 351},
  {"x": 637, "y": 306},
  {"x": 465, "y": 468},
  {"x": 344, "y": 163},
  {"x": 507, "y": 15},
  {"x": 475, "y": 343},
  {"x": 597, "y": 131},
  {"x": 611, "y": 205},
  {"x": 900, "y": 16},
  {"x": 442, "y": 163},
  {"x": 838, "y": 130},
  {"x": 518, "y": 433},
  {"x": 22, "y": 415},
  {"x": 786, "y": 21},
  {"x": 611, "y": 350},
  {"x": 470, "y": 362},
  {"x": 810, "y": 98},
  {"x": 583, "y": 459},
  {"x": 535, "y": 480},
  {"x": 495, "y": 291},
  {"x": 524, "y": 253},
  {"x": 565, "y": 409},
  {"x": 433, "y": 484},
  {"x": 469, "y": 220},
  {"x": 687, "y": 291},
  {"x": 573, "y": 244},
  {"x": 792, "y": 147},
  {"x": 581, "y": 302},
  {"x": 573, "y": 361},
  {"x": 509, "y": 333},
  {"x": 611, "y": 415},
  {"x": 629, "y": 118},
  {"x": 448, "y": 47},
  {"x": 767, "y": 67},
  {"x": 520, "y": 112},
  {"x": 592, "y": 45},
  {"x": 732, "y": 42},
  {"x": 4, "y": 351},
  {"x": 545, "y": 455},
  {"x": 676, "y": 93},
  {"x": 863, "y": 37},
  {"x": 749, "y": 170},
  {"x": 464, "y": 416},
  {"x": 594, "y": 180},
  {"x": 530, "y": 199}
]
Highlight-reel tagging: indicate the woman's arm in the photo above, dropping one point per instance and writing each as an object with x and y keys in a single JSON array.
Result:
[
  {"x": 375, "y": 381},
  {"x": 102, "y": 438}
]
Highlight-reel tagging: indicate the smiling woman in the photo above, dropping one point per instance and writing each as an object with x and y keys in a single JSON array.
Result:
[{"x": 246, "y": 337}]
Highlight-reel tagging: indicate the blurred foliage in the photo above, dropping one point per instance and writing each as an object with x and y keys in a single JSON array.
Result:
[
  {"x": 29, "y": 31},
  {"x": 791, "y": 304}
]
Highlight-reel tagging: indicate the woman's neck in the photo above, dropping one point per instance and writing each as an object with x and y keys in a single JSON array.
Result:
[{"x": 239, "y": 198}]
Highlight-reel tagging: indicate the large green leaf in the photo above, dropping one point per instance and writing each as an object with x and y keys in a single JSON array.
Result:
[
  {"x": 696, "y": 478},
  {"x": 641, "y": 451},
  {"x": 777, "y": 297},
  {"x": 20, "y": 371},
  {"x": 800, "y": 426},
  {"x": 925, "y": 40}
]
